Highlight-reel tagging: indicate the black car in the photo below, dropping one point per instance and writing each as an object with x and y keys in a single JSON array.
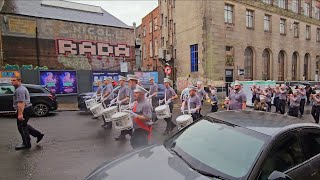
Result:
[
  {"x": 42, "y": 100},
  {"x": 227, "y": 145}
]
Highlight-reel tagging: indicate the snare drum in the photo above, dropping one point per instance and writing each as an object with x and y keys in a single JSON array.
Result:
[
  {"x": 122, "y": 121},
  {"x": 163, "y": 112},
  {"x": 183, "y": 121},
  {"x": 90, "y": 103},
  {"x": 97, "y": 109},
  {"x": 107, "y": 113}
]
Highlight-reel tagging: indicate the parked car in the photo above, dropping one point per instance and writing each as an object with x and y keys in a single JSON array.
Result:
[
  {"x": 42, "y": 100},
  {"x": 246, "y": 145}
]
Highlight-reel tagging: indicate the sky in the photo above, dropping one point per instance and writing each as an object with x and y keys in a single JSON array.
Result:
[{"x": 128, "y": 11}]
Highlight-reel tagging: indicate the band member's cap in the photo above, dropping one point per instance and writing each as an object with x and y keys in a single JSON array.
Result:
[
  {"x": 283, "y": 85},
  {"x": 302, "y": 86},
  {"x": 108, "y": 79},
  {"x": 167, "y": 80},
  {"x": 151, "y": 78},
  {"x": 132, "y": 77},
  {"x": 140, "y": 89},
  {"x": 199, "y": 82},
  {"x": 226, "y": 99},
  {"x": 122, "y": 78},
  {"x": 192, "y": 88},
  {"x": 237, "y": 83}
]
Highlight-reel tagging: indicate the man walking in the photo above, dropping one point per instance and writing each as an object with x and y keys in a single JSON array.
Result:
[
  {"x": 107, "y": 96},
  {"x": 153, "y": 92},
  {"x": 23, "y": 106},
  {"x": 238, "y": 99}
]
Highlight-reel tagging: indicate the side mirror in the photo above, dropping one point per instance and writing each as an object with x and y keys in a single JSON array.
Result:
[{"x": 276, "y": 175}]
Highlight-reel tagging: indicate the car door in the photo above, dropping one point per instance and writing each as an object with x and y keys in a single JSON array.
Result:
[
  {"x": 6, "y": 97},
  {"x": 286, "y": 155},
  {"x": 310, "y": 139}
]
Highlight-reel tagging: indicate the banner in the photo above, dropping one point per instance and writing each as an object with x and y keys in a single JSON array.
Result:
[
  {"x": 101, "y": 75},
  {"x": 5, "y": 76},
  {"x": 59, "y": 82},
  {"x": 145, "y": 76}
]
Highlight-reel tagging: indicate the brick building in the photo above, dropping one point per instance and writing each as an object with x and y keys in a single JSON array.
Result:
[
  {"x": 217, "y": 41},
  {"x": 150, "y": 36},
  {"x": 64, "y": 35}
]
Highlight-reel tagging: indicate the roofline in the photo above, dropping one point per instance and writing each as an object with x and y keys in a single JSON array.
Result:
[
  {"x": 82, "y": 3},
  {"x": 5, "y": 13}
]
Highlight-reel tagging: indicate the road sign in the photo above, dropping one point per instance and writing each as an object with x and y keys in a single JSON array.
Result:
[
  {"x": 167, "y": 70},
  {"x": 123, "y": 66}
]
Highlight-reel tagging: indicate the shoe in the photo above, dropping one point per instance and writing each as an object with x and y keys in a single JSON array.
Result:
[
  {"x": 22, "y": 146},
  {"x": 120, "y": 138},
  {"x": 40, "y": 138}
]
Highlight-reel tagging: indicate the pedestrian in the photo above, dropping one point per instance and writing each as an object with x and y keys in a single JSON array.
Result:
[
  {"x": 294, "y": 99},
  {"x": 268, "y": 95},
  {"x": 107, "y": 96},
  {"x": 253, "y": 89},
  {"x": 308, "y": 93},
  {"x": 141, "y": 114},
  {"x": 282, "y": 99},
  {"x": 315, "y": 111},
  {"x": 276, "y": 100},
  {"x": 213, "y": 90},
  {"x": 193, "y": 103},
  {"x": 23, "y": 106},
  {"x": 169, "y": 97},
  {"x": 237, "y": 98},
  {"x": 153, "y": 92},
  {"x": 201, "y": 93},
  {"x": 257, "y": 93},
  {"x": 214, "y": 102},
  {"x": 303, "y": 94}
]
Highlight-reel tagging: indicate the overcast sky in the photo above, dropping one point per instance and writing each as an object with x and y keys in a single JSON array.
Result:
[{"x": 128, "y": 11}]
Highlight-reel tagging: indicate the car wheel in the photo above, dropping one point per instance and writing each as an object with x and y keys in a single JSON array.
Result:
[{"x": 41, "y": 110}]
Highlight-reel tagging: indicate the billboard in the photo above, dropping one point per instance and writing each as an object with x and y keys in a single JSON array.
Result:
[
  {"x": 101, "y": 75},
  {"x": 60, "y": 82},
  {"x": 145, "y": 76},
  {"x": 5, "y": 76}
]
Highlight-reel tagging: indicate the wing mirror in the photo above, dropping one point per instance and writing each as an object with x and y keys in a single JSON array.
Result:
[{"x": 276, "y": 175}]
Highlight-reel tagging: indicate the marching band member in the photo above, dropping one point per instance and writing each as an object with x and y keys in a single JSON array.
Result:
[
  {"x": 214, "y": 102},
  {"x": 153, "y": 92},
  {"x": 315, "y": 111},
  {"x": 282, "y": 98},
  {"x": 294, "y": 99},
  {"x": 268, "y": 95},
  {"x": 124, "y": 92},
  {"x": 258, "y": 92},
  {"x": 276, "y": 100},
  {"x": 201, "y": 93},
  {"x": 98, "y": 93},
  {"x": 170, "y": 96},
  {"x": 303, "y": 94},
  {"x": 253, "y": 90},
  {"x": 193, "y": 103},
  {"x": 107, "y": 96},
  {"x": 237, "y": 98},
  {"x": 142, "y": 114}
]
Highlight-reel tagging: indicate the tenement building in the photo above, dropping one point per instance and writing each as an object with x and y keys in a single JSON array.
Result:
[{"x": 217, "y": 41}]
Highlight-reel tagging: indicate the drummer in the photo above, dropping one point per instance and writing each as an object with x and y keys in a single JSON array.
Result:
[
  {"x": 170, "y": 96},
  {"x": 153, "y": 92},
  {"x": 141, "y": 114},
  {"x": 107, "y": 96},
  {"x": 193, "y": 103},
  {"x": 123, "y": 94},
  {"x": 303, "y": 94},
  {"x": 294, "y": 99},
  {"x": 98, "y": 94}
]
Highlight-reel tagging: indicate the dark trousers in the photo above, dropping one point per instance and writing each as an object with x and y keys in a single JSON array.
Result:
[
  {"x": 282, "y": 106},
  {"x": 214, "y": 108},
  {"x": 269, "y": 106},
  {"x": 154, "y": 105},
  {"x": 195, "y": 116},
  {"x": 302, "y": 104},
  {"x": 25, "y": 129},
  {"x": 169, "y": 122},
  {"x": 139, "y": 138},
  {"x": 276, "y": 103},
  {"x": 315, "y": 113},
  {"x": 293, "y": 111}
]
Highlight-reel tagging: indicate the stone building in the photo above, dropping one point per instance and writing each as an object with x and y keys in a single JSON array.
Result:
[
  {"x": 217, "y": 41},
  {"x": 150, "y": 36},
  {"x": 64, "y": 35}
]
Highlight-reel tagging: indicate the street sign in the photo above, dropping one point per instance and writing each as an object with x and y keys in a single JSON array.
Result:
[
  {"x": 167, "y": 70},
  {"x": 123, "y": 66}
]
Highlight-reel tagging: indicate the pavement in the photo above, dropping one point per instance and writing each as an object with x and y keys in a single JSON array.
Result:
[{"x": 73, "y": 146}]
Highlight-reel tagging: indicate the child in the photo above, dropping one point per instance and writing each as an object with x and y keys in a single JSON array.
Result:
[{"x": 214, "y": 103}]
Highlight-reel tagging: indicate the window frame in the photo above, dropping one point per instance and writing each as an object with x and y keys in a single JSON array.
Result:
[
  {"x": 229, "y": 13},
  {"x": 268, "y": 1},
  {"x": 284, "y": 26},
  {"x": 308, "y": 32},
  {"x": 307, "y": 9},
  {"x": 194, "y": 58},
  {"x": 318, "y": 35},
  {"x": 297, "y": 4},
  {"x": 250, "y": 16},
  {"x": 283, "y": 3},
  {"x": 269, "y": 23},
  {"x": 296, "y": 27}
]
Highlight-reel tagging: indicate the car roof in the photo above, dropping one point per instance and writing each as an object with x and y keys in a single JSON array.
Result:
[
  {"x": 270, "y": 124},
  {"x": 27, "y": 85}
]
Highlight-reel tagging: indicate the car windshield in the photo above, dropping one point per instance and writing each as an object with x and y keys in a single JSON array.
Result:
[{"x": 218, "y": 147}]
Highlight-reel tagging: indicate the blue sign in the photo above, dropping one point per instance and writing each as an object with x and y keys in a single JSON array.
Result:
[{"x": 60, "y": 82}]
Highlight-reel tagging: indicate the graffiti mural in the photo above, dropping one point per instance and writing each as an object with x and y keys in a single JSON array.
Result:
[{"x": 88, "y": 55}]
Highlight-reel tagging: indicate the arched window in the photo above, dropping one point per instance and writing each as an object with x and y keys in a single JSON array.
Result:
[
  {"x": 266, "y": 65},
  {"x": 318, "y": 63},
  {"x": 306, "y": 66},
  {"x": 281, "y": 65},
  {"x": 295, "y": 66},
  {"x": 248, "y": 64}
]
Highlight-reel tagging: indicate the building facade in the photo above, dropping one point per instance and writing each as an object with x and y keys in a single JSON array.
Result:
[
  {"x": 150, "y": 36},
  {"x": 64, "y": 35},
  {"x": 231, "y": 40}
]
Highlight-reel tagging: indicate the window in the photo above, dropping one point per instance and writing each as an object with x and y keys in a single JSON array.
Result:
[
  {"x": 229, "y": 48},
  {"x": 295, "y": 6},
  {"x": 155, "y": 24},
  {"x": 267, "y": 1},
  {"x": 311, "y": 143},
  {"x": 296, "y": 29},
  {"x": 150, "y": 49},
  {"x": 156, "y": 47},
  {"x": 144, "y": 51},
  {"x": 249, "y": 18},
  {"x": 306, "y": 66},
  {"x": 7, "y": 89},
  {"x": 150, "y": 27},
  {"x": 248, "y": 64},
  {"x": 194, "y": 57},
  {"x": 266, "y": 65},
  {"x": 144, "y": 31},
  {"x": 228, "y": 13},
  {"x": 286, "y": 154},
  {"x": 174, "y": 28},
  {"x": 267, "y": 23},
  {"x": 306, "y": 9},
  {"x": 308, "y": 32},
  {"x": 34, "y": 90},
  {"x": 282, "y": 26},
  {"x": 295, "y": 66},
  {"x": 282, "y": 4},
  {"x": 162, "y": 41},
  {"x": 318, "y": 34},
  {"x": 317, "y": 12},
  {"x": 281, "y": 66}
]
